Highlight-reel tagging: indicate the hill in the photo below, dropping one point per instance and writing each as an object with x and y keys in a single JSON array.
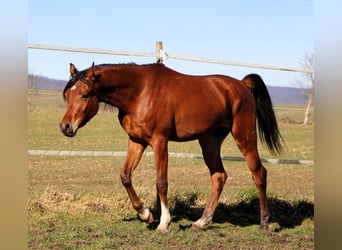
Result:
[
  {"x": 45, "y": 83},
  {"x": 288, "y": 95},
  {"x": 279, "y": 95}
]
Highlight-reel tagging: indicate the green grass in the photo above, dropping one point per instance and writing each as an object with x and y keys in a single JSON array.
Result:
[
  {"x": 94, "y": 231},
  {"x": 79, "y": 202}
]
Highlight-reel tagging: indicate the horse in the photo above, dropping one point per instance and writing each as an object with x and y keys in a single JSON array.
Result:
[{"x": 157, "y": 104}]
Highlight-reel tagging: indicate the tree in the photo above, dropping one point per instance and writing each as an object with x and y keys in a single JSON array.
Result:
[{"x": 307, "y": 62}]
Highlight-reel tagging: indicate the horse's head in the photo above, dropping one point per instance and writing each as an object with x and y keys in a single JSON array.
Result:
[{"x": 82, "y": 103}]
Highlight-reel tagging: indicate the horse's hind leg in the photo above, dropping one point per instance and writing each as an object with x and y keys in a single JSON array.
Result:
[
  {"x": 245, "y": 136},
  {"x": 211, "y": 146},
  {"x": 134, "y": 154}
]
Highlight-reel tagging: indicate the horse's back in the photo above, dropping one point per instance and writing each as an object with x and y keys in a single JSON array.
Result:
[{"x": 197, "y": 104}]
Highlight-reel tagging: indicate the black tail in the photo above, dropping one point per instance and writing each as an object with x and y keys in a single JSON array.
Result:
[{"x": 267, "y": 124}]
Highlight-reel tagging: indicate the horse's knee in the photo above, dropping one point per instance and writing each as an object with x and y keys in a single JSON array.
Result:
[
  {"x": 125, "y": 179},
  {"x": 223, "y": 178},
  {"x": 219, "y": 179},
  {"x": 162, "y": 186}
]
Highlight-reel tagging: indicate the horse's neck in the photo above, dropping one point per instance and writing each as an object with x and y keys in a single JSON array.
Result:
[{"x": 119, "y": 87}]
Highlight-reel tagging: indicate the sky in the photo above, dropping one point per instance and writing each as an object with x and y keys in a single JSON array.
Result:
[{"x": 262, "y": 32}]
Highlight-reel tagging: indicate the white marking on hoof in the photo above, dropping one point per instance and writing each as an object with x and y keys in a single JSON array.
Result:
[
  {"x": 146, "y": 216},
  {"x": 165, "y": 218}
]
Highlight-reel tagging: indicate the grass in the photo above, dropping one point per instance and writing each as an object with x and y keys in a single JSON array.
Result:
[{"x": 79, "y": 202}]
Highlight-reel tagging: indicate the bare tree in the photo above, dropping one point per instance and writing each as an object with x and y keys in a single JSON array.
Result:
[{"x": 307, "y": 62}]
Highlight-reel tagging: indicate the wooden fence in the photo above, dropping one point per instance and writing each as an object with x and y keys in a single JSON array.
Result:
[{"x": 161, "y": 55}]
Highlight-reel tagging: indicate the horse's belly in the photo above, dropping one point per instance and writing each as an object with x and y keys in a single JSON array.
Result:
[{"x": 191, "y": 129}]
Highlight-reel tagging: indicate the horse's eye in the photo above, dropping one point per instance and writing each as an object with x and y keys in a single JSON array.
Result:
[{"x": 86, "y": 95}]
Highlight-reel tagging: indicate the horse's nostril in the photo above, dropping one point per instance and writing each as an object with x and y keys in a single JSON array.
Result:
[
  {"x": 67, "y": 126},
  {"x": 64, "y": 127}
]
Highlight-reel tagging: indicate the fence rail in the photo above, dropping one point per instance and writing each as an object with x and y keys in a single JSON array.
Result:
[
  {"x": 44, "y": 92},
  {"x": 91, "y": 51},
  {"x": 160, "y": 54},
  {"x": 171, "y": 155}
]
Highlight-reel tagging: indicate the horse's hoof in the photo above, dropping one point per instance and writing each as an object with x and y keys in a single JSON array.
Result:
[
  {"x": 196, "y": 227},
  {"x": 162, "y": 229},
  {"x": 150, "y": 218},
  {"x": 264, "y": 222},
  {"x": 147, "y": 216}
]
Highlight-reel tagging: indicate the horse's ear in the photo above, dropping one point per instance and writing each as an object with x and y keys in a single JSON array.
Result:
[
  {"x": 93, "y": 68},
  {"x": 91, "y": 73},
  {"x": 73, "y": 70},
  {"x": 96, "y": 77}
]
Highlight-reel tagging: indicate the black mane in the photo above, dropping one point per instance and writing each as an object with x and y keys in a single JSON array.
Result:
[
  {"x": 117, "y": 64},
  {"x": 133, "y": 64}
]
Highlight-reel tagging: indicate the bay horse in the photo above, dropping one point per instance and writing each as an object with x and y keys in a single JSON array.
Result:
[{"x": 157, "y": 104}]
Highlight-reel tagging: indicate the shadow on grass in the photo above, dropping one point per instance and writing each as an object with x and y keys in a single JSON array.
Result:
[
  {"x": 286, "y": 214},
  {"x": 244, "y": 213}
]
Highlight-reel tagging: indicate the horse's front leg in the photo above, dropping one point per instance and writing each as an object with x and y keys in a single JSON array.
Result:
[
  {"x": 161, "y": 160},
  {"x": 134, "y": 154}
]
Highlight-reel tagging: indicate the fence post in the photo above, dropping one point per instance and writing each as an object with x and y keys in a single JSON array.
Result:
[{"x": 159, "y": 48}]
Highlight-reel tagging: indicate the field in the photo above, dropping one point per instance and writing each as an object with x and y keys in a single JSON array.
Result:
[{"x": 79, "y": 202}]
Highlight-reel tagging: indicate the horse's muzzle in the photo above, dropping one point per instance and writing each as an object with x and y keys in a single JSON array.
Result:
[{"x": 68, "y": 130}]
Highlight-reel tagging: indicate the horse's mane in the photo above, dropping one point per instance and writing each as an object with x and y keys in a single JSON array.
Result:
[
  {"x": 81, "y": 74},
  {"x": 133, "y": 64},
  {"x": 116, "y": 64}
]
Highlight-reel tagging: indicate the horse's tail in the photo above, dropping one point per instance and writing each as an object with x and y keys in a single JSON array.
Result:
[{"x": 267, "y": 124}]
